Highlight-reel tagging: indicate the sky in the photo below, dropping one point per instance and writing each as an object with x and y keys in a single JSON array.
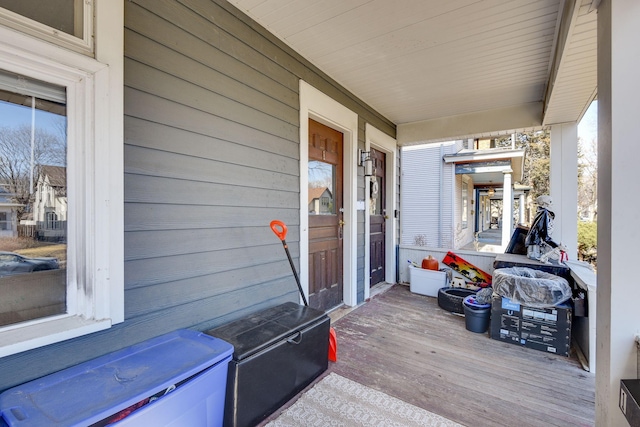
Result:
[
  {"x": 13, "y": 114},
  {"x": 588, "y": 126}
]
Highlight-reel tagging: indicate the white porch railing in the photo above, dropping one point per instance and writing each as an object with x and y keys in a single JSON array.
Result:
[{"x": 482, "y": 260}]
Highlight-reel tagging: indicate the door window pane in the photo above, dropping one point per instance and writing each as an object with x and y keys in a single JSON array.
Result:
[
  {"x": 322, "y": 181},
  {"x": 376, "y": 199},
  {"x": 62, "y": 15},
  {"x": 33, "y": 199}
]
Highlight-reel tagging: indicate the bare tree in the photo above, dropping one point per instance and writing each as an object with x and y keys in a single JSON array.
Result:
[
  {"x": 537, "y": 153},
  {"x": 587, "y": 179},
  {"x": 16, "y": 167},
  {"x": 320, "y": 175},
  {"x": 536, "y": 169}
]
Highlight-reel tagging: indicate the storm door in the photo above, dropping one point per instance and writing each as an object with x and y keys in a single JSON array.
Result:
[
  {"x": 325, "y": 216},
  {"x": 377, "y": 216}
]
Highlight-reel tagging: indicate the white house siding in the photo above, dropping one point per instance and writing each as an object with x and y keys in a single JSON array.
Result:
[
  {"x": 48, "y": 200},
  {"x": 427, "y": 192},
  {"x": 211, "y": 156},
  {"x": 420, "y": 195}
]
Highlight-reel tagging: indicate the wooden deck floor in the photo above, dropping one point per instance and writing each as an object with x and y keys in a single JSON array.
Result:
[{"x": 404, "y": 345}]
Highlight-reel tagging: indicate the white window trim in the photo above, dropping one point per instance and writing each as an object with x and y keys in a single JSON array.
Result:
[{"x": 95, "y": 267}]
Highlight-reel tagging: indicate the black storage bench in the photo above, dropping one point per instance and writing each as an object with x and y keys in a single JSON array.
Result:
[{"x": 277, "y": 353}]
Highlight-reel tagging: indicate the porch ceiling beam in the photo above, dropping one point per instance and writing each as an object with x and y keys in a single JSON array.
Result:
[
  {"x": 567, "y": 22},
  {"x": 501, "y": 121}
]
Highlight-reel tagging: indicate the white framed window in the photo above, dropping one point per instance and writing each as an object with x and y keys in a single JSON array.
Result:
[
  {"x": 66, "y": 23},
  {"x": 93, "y": 199}
]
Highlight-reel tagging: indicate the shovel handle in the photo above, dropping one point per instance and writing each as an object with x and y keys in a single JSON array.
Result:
[{"x": 279, "y": 228}]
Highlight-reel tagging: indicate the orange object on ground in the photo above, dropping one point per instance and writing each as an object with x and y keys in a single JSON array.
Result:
[{"x": 430, "y": 263}]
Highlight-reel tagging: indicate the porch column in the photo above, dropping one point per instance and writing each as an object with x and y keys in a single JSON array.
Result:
[
  {"x": 564, "y": 185},
  {"x": 522, "y": 207},
  {"x": 618, "y": 206},
  {"x": 507, "y": 207}
]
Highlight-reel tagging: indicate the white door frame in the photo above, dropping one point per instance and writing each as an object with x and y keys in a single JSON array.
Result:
[
  {"x": 320, "y": 107},
  {"x": 388, "y": 145}
]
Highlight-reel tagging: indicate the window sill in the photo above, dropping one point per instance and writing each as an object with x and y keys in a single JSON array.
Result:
[{"x": 47, "y": 331}]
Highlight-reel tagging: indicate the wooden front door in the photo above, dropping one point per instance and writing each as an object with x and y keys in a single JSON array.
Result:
[
  {"x": 325, "y": 216},
  {"x": 377, "y": 216}
]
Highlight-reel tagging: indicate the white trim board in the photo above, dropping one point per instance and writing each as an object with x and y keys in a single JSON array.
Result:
[
  {"x": 320, "y": 107},
  {"x": 382, "y": 142}
]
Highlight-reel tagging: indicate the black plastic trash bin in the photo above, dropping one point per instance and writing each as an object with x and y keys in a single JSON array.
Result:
[
  {"x": 476, "y": 315},
  {"x": 278, "y": 352},
  {"x": 177, "y": 379}
]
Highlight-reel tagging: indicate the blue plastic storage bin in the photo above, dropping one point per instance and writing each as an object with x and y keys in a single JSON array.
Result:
[{"x": 177, "y": 379}]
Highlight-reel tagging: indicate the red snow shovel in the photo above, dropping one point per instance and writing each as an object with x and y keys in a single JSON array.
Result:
[{"x": 280, "y": 229}]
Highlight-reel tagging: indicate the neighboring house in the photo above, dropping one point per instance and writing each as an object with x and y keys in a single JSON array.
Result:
[
  {"x": 320, "y": 200},
  {"x": 448, "y": 192},
  {"x": 50, "y": 204},
  {"x": 8, "y": 214}
]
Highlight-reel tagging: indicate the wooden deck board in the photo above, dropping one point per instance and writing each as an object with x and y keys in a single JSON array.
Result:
[{"x": 404, "y": 345}]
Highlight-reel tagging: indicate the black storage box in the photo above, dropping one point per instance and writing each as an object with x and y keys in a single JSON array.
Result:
[
  {"x": 277, "y": 353},
  {"x": 544, "y": 329},
  {"x": 628, "y": 401}
]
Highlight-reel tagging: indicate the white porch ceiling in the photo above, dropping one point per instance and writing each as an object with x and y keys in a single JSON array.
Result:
[{"x": 436, "y": 61}]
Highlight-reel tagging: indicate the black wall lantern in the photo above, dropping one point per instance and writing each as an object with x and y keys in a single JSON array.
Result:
[{"x": 366, "y": 162}]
